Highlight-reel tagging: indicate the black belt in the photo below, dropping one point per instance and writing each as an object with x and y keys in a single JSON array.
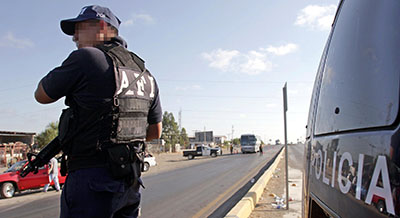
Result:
[{"x": 75, "y": 163}]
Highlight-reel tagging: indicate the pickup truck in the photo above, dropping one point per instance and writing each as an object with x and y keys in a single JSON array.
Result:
[
  {"x": 202, "y": 151},
  {"x": 11, "y": 181}
]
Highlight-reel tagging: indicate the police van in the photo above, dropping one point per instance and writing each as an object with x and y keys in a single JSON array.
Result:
[{"x": 352, "y": 152}]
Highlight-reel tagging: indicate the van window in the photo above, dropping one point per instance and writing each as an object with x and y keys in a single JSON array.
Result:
[
  {"x": 315, "y": 92},
  {"x": 360, "y": 83}
]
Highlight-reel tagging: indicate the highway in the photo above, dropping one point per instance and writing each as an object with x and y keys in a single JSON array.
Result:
[{"x": 194, "y": 191}]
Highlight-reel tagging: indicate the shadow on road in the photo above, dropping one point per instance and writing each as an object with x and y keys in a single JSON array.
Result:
[
  {"x": 27, "y": 192},
  {"x": 23, "y": 193}
]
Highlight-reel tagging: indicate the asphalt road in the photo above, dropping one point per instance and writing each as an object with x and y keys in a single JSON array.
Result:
[
  {"x": 296, "y": 156},
  {"x": 198, "y": 190},
  {"x": 194, "y": 191},
  {"x": 33, "y": 204}
]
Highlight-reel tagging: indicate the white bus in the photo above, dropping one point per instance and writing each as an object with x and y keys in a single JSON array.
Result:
[{"x": 250, "y": 143}]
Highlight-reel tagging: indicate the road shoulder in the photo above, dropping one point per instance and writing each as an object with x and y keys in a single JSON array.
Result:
[{"x": 269, "y": 202}]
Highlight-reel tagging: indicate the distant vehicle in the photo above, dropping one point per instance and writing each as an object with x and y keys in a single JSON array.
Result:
[
  {"x": 202, "y": 151},
  {"x": 11, "y": 181},
  {"x": 352, "y": 148},
  {"x": 250, "y": 143},
  {"x": 149, "y": 161}
]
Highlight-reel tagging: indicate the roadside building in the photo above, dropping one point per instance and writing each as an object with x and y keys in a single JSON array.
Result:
[
  {"x": 220, "y": 139},
  {"x": 14, "y": 146},
  {"x": 204, "y": 137}
]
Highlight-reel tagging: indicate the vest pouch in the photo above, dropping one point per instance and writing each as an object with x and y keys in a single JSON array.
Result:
[
  {"x": 130, "y": 128},
  {"x": 120, "y": 159},
  {"x": 131, "y": 122}
]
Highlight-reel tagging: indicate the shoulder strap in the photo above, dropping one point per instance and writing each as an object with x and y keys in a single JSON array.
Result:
[
  {"x": 116, "y": 52},
  {"x": 139, "y": 61},
  {"x": 119, "y": 58}
]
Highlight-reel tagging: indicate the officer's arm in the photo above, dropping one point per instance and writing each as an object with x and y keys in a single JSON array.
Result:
[
  {"x": 41, "y": 96},
  {"x": 154, "y": 131}
]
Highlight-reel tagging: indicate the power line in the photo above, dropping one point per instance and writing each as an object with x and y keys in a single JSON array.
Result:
[
  {"x": 229, "y": 81},
  {"x": 247, "y": 112},
  {"x": 209, "y": 96}
]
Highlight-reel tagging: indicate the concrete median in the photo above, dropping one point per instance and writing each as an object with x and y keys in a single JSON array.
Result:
[{"x": 246, "y": 205}]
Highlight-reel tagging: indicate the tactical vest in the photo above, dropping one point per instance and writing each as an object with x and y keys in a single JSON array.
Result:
[{"x": 133, "y": 95}]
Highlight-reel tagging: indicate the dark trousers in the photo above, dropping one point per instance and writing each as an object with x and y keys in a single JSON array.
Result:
[{"x": 93, "y": 192}]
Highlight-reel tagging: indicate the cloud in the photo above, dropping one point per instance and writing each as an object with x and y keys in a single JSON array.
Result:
[
  {"x": 293, "y": 92},
  {"x": 139, "y": 18},
  {"x": 196, "y": 87},
  {"x": 271, "y": 105},
  {"x": 127, "y": 23},
  {"x": 316, "y": 17},
  {"x": 185, "y": 88},
  {"x": 255, "y": 63},
  {"x": 252, "y": 62},
  {"x": 221, "y": 59},
  {"x": 9, "y": 40},
  {"x": 282, "y": 50}
]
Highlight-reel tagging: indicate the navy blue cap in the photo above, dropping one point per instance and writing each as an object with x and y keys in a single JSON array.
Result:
[{"x": 92, "y": 12}]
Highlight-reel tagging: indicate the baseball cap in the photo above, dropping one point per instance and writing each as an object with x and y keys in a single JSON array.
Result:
[{"x": 91, "y": 12}]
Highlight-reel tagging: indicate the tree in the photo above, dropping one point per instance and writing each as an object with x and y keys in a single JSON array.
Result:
[
  {"x": 47, "y": 135},
  {"x": 170, "y": 132},
  {"x": 183, "y": 138},
  {"x": 236, "y": 141}
]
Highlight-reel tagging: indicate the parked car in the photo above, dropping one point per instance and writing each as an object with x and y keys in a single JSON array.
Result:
[
  {"x": 202, "y": 151},
  {"x": 149, "y": 161},
  {"x": 11, "y": 181}
]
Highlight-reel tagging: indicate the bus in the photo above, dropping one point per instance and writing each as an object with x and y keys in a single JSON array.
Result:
[
  {"x": 352, "y": 149},
  {"x": 250, "y": 143}
]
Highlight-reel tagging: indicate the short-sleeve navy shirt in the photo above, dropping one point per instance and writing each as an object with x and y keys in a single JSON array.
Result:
[{"x": 87, "y": 77}]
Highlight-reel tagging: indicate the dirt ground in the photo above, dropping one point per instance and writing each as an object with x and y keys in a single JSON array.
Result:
[{"x": 275, "y": 189}]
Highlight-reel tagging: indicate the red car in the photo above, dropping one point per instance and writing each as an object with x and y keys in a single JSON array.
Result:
[{"x": 11, "y": 181}]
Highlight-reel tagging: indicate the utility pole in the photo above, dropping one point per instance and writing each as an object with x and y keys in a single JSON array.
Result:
[
  {"x": 180, "y": 119},
  {"x": 232, "y": 135}
]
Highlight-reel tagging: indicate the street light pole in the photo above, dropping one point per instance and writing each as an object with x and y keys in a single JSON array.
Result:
[{"x": 285, "y": 108}]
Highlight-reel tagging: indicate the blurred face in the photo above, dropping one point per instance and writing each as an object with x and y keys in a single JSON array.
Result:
[{"x": 87, "y": 33}]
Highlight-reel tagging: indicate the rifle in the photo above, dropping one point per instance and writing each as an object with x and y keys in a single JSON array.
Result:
[
  {"x": 54, "y": 147},
  {"x": 42, "y": 158}
]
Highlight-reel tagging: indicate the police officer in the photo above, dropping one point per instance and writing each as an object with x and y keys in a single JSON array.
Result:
[{"x": 114, "y": 107}]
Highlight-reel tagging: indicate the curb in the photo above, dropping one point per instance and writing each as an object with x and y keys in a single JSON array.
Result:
[{"x": 245, "y": 206}]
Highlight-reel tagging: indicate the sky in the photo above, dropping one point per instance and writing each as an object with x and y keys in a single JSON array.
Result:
[{"x": 221, "y": 63}]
